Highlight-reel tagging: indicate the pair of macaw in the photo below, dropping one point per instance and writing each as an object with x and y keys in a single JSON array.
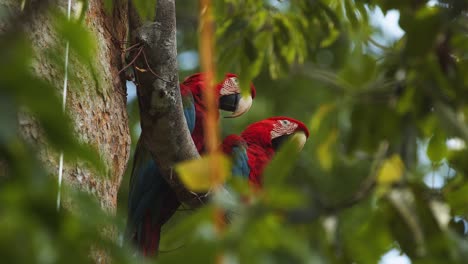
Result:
[{"x": 152, "y": 201}]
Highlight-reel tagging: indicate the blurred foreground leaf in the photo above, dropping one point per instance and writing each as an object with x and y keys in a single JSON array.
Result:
[
  {"x": 391, "y": 170},
  {"x": 197, "y": 175}
]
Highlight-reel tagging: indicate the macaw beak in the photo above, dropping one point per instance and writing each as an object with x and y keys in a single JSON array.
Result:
[
  {"x": 236, "y": 103},
  {"x": 229, "y": 102},
  {"x": 300, "y": 138}
]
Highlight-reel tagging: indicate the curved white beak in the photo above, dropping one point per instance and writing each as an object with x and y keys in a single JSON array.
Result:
[
  {"x": 243, "y": 106},
  {"x": 300, "y": 138}
]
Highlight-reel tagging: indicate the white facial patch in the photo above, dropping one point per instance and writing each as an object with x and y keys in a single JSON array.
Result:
[
  {"x": 283, "y": 127},
  {"x": 230, "y": 86}
]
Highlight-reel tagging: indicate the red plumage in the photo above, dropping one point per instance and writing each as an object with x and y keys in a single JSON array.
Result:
[
  {"x": 151, "y": 200},
  {"x": 258, "y": 138},
  {"x": 195, "y": 84}
]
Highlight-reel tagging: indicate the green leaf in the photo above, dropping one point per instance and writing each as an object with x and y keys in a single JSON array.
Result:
[
  {"x": 320, "y": 115},
  {"x": 391, "y": 171},
  {"x": 422, "y": 30},
  {"x": 406, "y": 102},
  {"x": 197, "y": 175},
  {"x": 325, "y": 151},
  {"x": 330, "y": 39},
  {"x": 146, "y": 8},
  {"x": 351, "y": 13},
  {"x": 283, "y": 162},
  {"x": 250, "y": 50},
  {"x": 457, "y": 199},
  {"x": 186, "y": 230},
  {"x": 365, "y": 222},
  {"x": 80, "y": 38},
  {"x": 360, "y": 70},
  {"x": 437, "y": 148},
  {"x": 282, "y": 197},
  {"x": 108, "y": 4}
]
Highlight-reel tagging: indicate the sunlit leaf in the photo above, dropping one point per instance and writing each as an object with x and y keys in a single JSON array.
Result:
[
  {"x": 202, "y": 174},
  {"x": 437, "y": 148},
  {"x": 391, "y": 170},
  {"x": 302, "y": 56},
  {"x": 332, "y": 37},
  {"x": 325, "y": 151},
  {"x": 320, "y": 114}
]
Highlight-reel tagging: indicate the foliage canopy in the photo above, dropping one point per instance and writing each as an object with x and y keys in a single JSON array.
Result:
[{"x": 387, "y": 121}]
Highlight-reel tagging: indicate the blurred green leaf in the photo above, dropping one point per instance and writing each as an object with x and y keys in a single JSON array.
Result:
[
  {"x": 391, "y": 171},
  {"x": 421, "y": 31},
  {"x": 307, "y": 58},
  {"x": 365, "y": 223},
  {"x": 320, "y": 114},
  {"x": 325, "y": 151},
  {"x": 146, "y": 8},
  {"x": 437, "y": 148},
  {"x": 80, "y": 39},
  {"x": 360, "y": 70},
  {"x": 278, "y": 169},
  {"x": 186, "y": 230},
  {"x": 283, "y": 197},
  {"x": 108, "y": 4},
  {"x": 198, "y": 175}
]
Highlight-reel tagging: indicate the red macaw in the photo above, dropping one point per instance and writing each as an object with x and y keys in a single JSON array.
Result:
[
  {"x": 151, "y": 200},
  {"x": 254, "y": 148}
]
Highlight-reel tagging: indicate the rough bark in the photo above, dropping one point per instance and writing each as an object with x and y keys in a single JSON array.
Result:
[
  {"x": 164, "y": 130},
  {"x": 97, "y": 104}
]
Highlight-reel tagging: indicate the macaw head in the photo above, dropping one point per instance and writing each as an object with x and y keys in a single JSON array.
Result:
[
  {"x": 272, "y": 132},
  {"x": 228, "y": 93},
  {"x": 230, "y": 97}
]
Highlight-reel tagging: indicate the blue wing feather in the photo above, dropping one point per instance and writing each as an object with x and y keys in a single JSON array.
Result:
[
  {"x": 189, "y": 111},
  {"x": 240, "y": 165},
  {"x": 149, "y": 196},
  {"x": 144, "y": 184}
]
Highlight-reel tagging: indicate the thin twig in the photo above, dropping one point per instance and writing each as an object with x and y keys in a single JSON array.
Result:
[
  {"x": 131, "y": 47},
  {"x": 115, "y": 40},
  {"x": 378, "y": 45},
  {"x": 172, "y": 250},
  {"x": 151, "y": 70},
  {"x": 132, "y": 62}
]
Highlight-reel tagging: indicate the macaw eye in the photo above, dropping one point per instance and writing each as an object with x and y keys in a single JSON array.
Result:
[
  {"x": 230, "y": 86},
  {"x": 235, "y": 81},
  {"x": 284, "y": 122}
]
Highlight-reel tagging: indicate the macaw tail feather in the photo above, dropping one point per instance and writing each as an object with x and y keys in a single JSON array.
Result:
[
  {"x": 150, "y": 237},
  {"x": 146, "y": 235}
]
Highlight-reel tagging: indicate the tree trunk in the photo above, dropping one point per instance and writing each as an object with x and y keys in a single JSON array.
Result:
[
  {"x": 96, "y": 104},
  {"x": 164, "y": 129}
]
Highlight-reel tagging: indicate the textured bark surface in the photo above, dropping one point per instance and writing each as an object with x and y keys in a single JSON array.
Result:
[
  {"x": 97, "y": 104},
  {"x": 164, "y": 130}
]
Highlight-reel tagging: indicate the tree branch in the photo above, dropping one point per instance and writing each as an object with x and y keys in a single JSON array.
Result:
[{"x": 164, "y": 129}]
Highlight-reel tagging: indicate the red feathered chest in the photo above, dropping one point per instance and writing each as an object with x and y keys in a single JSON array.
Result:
[
  {"x": 198, "y": 134},
  {"x": 258, "y": 159}
]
